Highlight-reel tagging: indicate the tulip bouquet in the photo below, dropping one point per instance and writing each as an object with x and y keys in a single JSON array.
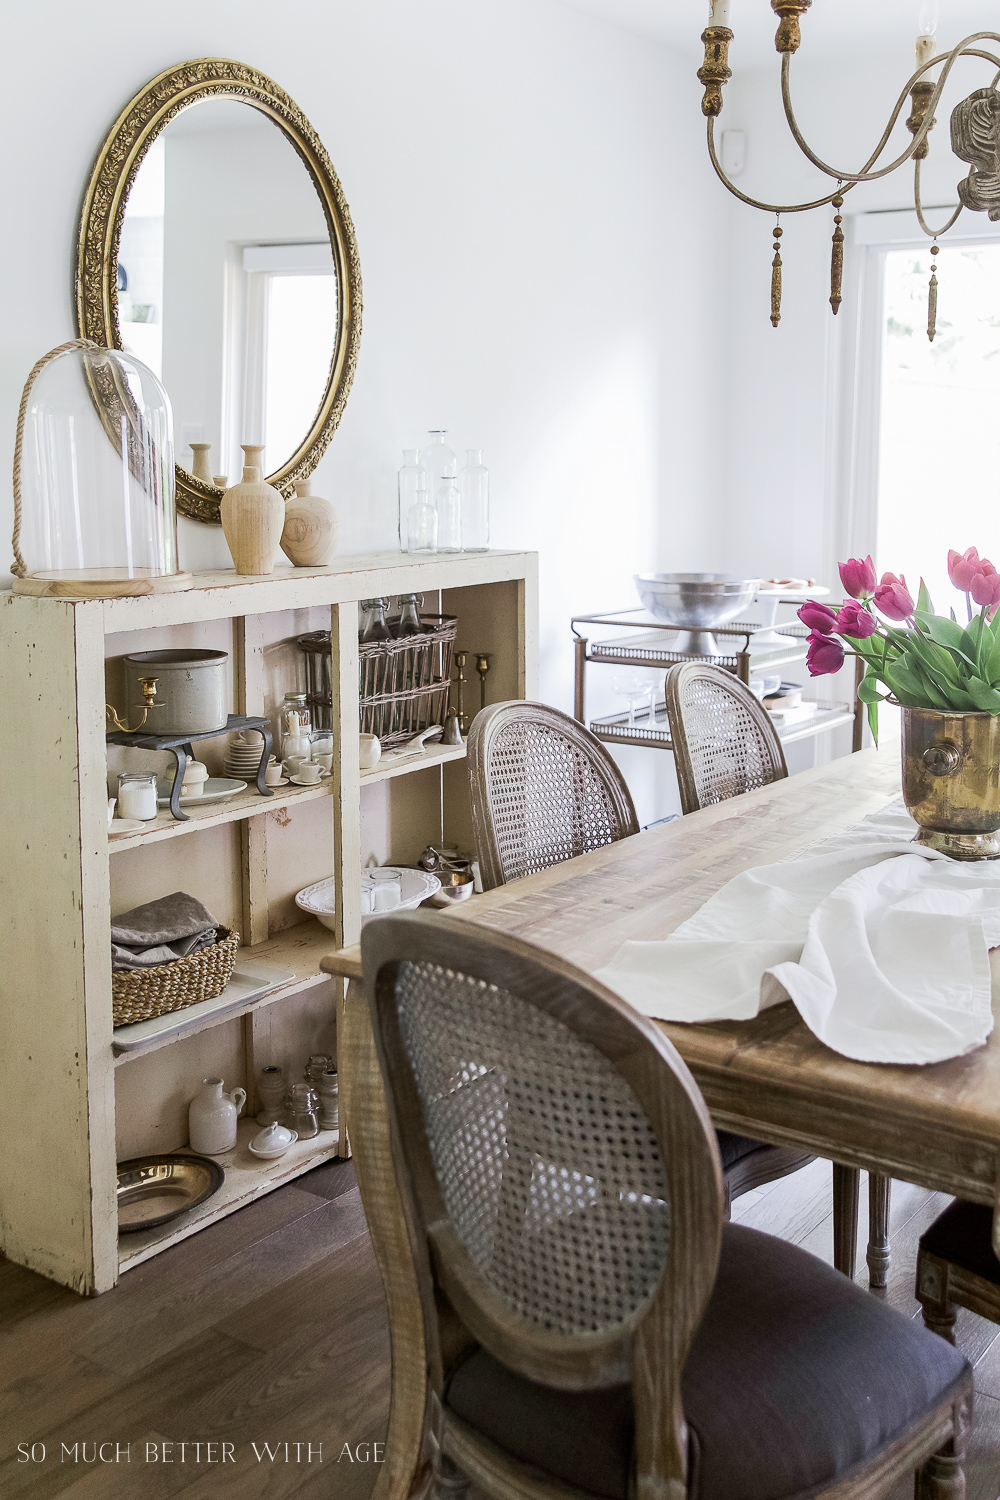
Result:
[{"x": 923, "y": 660}]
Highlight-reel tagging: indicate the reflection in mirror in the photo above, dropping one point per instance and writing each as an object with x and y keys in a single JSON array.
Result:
[{"x": 226, "y": 284}]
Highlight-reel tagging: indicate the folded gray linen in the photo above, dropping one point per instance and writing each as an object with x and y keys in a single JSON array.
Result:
[{"x": 161, "y": 932}]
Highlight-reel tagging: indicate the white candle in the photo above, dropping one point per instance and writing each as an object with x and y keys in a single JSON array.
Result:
[
  {"x": 137, "y": 799},
  {"x": 719, "y": 15},
  {"x": 926, "y": 49}
]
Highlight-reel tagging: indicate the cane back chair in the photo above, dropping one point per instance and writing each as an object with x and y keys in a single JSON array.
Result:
[
  {"x": 584, "y": 1336},
  {"x": 543, "y": 790},
  {"x": 725, "y": 744}
]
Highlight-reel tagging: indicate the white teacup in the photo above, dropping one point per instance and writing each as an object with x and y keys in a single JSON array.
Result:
[
  {"x": 292, "y": 764},
  {"x": 274, "y": 773},
  {"x": 309, "y": 771},
  {"x": 370, "y": 751},
  {"x": 325, "y": 760}
]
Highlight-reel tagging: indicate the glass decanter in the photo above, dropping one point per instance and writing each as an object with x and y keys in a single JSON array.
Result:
[
  {"x": 373, "y": 626},
  {"x": 438, "y": 460}
]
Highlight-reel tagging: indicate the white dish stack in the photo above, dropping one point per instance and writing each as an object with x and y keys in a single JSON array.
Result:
[{"x": 243, "y": 755}]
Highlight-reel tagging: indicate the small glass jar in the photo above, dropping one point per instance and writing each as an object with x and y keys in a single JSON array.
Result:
[
  {"x": 302, "y": 1111},
  {"x": 137, "y": 795},
  {"x": 387, "y": 889},
  {"x": 449, "y": 514},
  {"x": 367, "y": 893},
  {"x": 270, "y": 1096},
  {"x": 296, "y": 724},
  {"x": 317, "y": 1066},
  {"x": 328, "y": 1090},
  {"x": 321, "y": 748}
]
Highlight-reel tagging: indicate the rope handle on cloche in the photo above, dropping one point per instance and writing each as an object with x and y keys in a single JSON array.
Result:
[{"x": 19, "y": 567}]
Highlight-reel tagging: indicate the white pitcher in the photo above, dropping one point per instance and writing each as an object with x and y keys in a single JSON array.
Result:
[{"x": 212, "y": 1118}]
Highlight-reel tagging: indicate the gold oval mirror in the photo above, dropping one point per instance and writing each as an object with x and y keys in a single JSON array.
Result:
[{"x": 220, "y": 251}]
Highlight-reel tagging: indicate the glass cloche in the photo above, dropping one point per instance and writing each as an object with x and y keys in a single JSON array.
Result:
[{"x": 95, "y": 468}]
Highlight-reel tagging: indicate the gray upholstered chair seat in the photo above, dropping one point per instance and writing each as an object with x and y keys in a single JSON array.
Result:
[{"x": 796, "y": 1377}]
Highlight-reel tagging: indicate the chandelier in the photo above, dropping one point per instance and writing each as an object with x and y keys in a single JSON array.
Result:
[{"x": 975, "y": 134}]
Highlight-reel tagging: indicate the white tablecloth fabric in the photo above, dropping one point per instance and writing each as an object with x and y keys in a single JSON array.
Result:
[{"x": 882, "y": 945}]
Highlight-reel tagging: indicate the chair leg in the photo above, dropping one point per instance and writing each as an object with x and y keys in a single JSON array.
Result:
[
  {"x": 932, "y": 1293},
  {"x": 878, "y": 1255},
  {"x": 451, "y": 1484},
  {"x": 846, "y": 1190},
  {"x": 940, "y": 1317},
  {"x": 943, "y": 1475}
]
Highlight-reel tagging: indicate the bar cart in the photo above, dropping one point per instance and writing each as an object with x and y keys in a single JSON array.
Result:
[{"x": 647, "y": 642}]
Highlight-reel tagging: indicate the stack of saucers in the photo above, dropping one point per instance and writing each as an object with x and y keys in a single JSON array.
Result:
[{"x": 243, "y": 756}]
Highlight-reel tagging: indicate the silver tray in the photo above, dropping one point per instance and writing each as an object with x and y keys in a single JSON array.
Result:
[{"x": 153, "y": 1190}]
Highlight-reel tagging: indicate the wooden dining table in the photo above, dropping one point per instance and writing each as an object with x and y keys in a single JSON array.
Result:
[{"x": 770, "y": 1077}]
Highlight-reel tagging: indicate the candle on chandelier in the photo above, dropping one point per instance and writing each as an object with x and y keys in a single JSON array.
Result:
[
  {"x": 719, "y": 15},
  {"x": 926, "y": 49},
  {"x": 927, "y": 25}
]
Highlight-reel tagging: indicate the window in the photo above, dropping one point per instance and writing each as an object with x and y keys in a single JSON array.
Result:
[{"x": 939, "y": 439}]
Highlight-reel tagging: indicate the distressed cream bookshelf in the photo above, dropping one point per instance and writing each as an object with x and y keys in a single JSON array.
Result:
[{"x": 72, "y": 1104}]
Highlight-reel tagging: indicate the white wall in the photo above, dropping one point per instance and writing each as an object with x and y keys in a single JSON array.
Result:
[{"x": 538, "y": 237}]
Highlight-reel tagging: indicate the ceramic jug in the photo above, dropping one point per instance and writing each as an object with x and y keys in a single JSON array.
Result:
[
  {"x": 212, "y": 1118},
  {"x": 312, "y": 528},
  {"x": 253, "y": 515}
]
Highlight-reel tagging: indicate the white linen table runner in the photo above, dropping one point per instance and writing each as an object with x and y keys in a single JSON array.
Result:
[{"x": 883, "y": 946}]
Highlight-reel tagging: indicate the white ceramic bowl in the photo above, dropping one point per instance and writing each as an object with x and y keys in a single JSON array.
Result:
[{"x": 319, "y": 899}]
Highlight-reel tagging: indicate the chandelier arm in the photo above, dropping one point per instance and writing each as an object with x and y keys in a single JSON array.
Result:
[
  {"x": 770, "y": 208},
  {"x": 865, "y": 175},
  {"x": 934, "y": 234}
]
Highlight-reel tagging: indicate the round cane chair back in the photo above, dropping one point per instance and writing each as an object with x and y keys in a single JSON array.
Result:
[
  {"x": 538, "y": 1116},
  {"x": 724, "y": 741},
  {"x": 543, "y": 790}
]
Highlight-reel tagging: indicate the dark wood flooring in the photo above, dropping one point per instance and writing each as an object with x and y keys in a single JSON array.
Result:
[{"x": 270, "y": 1328}]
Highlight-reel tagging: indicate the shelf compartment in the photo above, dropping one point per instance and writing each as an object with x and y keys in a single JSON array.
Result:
[
  {"x": 247, "y": 1178},
  {"x": 391, "y": 765},
  {"x": 615, "y": 729},
  {"x": 251, "y": 985}
]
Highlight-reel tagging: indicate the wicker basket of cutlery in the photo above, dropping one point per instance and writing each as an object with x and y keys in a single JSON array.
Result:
[
  {"x": 141, "y": 994},
  {"x": 404, "y": 682}
]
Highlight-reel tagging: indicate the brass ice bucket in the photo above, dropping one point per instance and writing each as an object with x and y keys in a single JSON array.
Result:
[{"x": 951, "y": 780}]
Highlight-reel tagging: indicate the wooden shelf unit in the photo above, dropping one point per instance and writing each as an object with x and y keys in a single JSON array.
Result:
[{"x": 61, "y": 877}]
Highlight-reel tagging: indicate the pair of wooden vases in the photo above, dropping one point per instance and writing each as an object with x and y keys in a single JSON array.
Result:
[{"x": 257, "y": 520}]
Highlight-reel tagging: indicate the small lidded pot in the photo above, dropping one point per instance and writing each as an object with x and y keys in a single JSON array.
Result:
[{"x": 195, "y": 776}]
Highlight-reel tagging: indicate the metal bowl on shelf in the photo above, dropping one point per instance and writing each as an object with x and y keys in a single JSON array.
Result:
[
  {"x": 456, "y": 885},
  {"x": 152, "y": 1190},
  {"x": 695, "y": 603}
]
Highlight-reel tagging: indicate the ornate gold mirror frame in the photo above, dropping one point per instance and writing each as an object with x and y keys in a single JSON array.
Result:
[{"x": 117, "y": 163}]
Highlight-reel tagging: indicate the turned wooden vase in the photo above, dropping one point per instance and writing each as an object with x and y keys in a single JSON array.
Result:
[
  {"x": 253, "y": 515},
  {"x": 312, "y": 528}
]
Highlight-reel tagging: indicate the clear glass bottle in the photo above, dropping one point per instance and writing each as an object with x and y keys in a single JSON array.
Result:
[
  {"x": 474, "y": 485},
  {"x": 449, "y": 514},
  {"x": 296, "y": 724},
  {"x": 438, "y": 460},
  {"x": 302, "y": 1111},
  {"x": 422, "y": 524},
  {"x": 411, "y": 484},
  {"x": 409, "y": 615},
  {"x": 373, "y": 626}
]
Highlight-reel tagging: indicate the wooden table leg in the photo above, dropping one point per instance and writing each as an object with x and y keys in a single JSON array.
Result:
[
  {"x": 878, "y": 1256},
  {"x": 363, "y": 1103},
  {"x": 846, "y": 1187}
]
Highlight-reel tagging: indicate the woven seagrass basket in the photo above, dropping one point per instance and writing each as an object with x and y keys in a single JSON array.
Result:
[{"x": 141, "y": 994}]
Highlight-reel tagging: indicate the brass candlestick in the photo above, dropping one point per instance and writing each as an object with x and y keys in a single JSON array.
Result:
[
  {"x": 482, "y": 667},
  {"x": 148, "y": 685},
  {"x": 461, "y": 657}
]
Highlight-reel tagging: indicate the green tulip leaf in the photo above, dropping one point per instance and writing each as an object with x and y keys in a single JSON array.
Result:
[
  {"x": 992, "y": 670},
  {"x": 936, "y": 660},
  {"x": 986, "y": 698},
  {"x": 868, "y": 689},
  {"x": 947, "y": 633},
  {"x": 904, "y": 683},
  {"x": 924, "y": 599},
  {"x": 873, "y": 720}
]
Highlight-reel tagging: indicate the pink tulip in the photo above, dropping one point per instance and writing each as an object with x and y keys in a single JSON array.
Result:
[
  {"x": 818, "y": 617},
  {"x": 892, "y": 598},
  {"x": 985, "y": 589},
  {"x": 858, "y": 576},
  {"x": 824, "y": 655},
  {"x": 963, "y": 567},
  {"x": 855, "y": 621}
]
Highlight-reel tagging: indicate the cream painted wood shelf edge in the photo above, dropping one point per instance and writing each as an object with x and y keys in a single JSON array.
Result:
[{"x": 58, "y": 1214}]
